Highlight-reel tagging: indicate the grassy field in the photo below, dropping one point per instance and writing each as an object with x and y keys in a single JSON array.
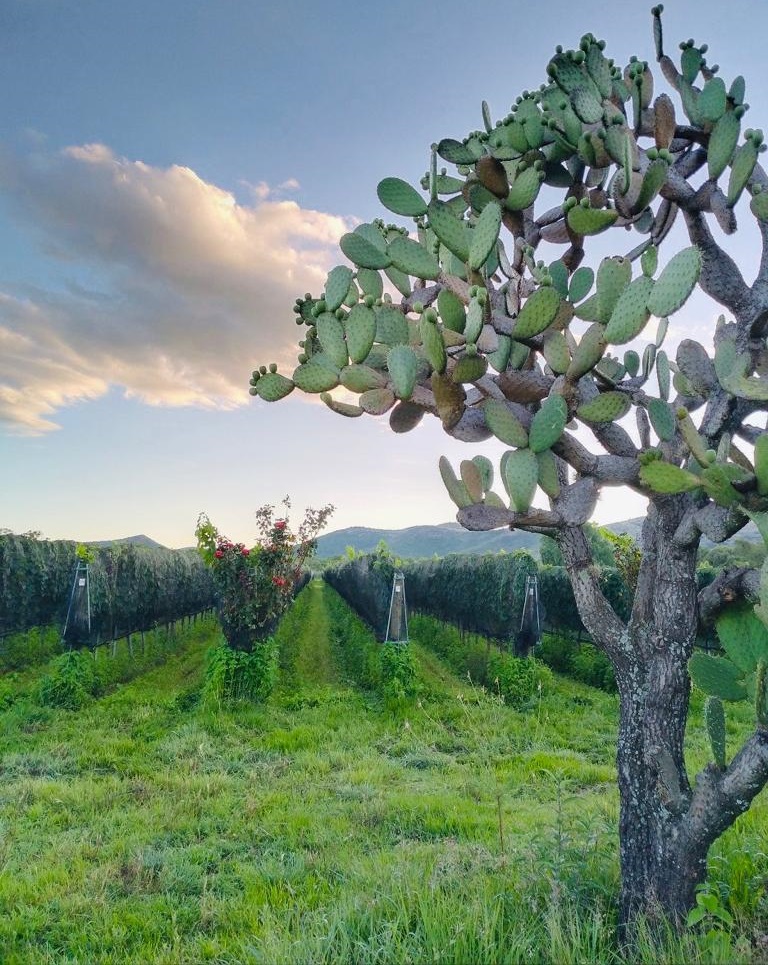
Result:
[{"x": 326, "y": 826}]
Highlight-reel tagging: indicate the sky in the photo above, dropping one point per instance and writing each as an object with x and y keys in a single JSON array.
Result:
[{"x": 173, "y": 175}]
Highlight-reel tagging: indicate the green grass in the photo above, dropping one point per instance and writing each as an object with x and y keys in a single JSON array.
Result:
[{"x": 323, "y": 827}]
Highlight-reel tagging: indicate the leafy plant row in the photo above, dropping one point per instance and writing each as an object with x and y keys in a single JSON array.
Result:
[{"x": 131, "y": 588}]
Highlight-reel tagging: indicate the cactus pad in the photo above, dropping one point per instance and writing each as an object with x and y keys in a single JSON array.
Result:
[
  {"x": 456, "y": 488},
  {"x": 675, "y": 283},
  {"x": 716, "y": 676},
  {"x": 663, "y": 477},
  {"x": 451, "y": 310},
  {"x": 485, "y": 235},
  {"x": 361, "y": 378},
  {"x": 524, "y": 189},
  {"x": 316, "y": 375},
  {"x": 607, "y": 407},
  {"x": 434, "y": 346},
  {"x": 330, "y": 333},
  {"x": 391, "y": 326},
  {"x": 588, "y": 352},
  {"x": 722, "y": 143},
  {"x": 403, "y": 367},
  {"x": 363, "y": 252},
  {"x": 405, "y": 416},
  {"x": 472, "y": 479},
  {"x": 630, "y": 314},
  {"x": 337, "y": 286},
  {"x": 412, "y": 258},
  {"x": 581, "y": 284},
  {"x": 662, "y": 419},
  {"x": 398, "y": 196},
  {"x": 341, "y": 408},
  {"x": 590, "y": 221},
  {"x": 742, "y": 166},
  {"x": 360, "y": 329},
  {"x": 377, "y": 401},
  {"x": 714, "y": 719},
  {"x": 548, "y": 424},
  {"x": 548, "y": 477},
  {"x": 272, "y": 387},
  {"x": 520, "y": 473},
  {"x": 504, "y": 424},
  {"x": 555, "y": 351},
  {"x": 538, "y": 313},
  {"x": 449, "y": 229}
]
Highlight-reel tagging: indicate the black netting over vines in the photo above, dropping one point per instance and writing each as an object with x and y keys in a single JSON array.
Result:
[{"x": 131, "y": 588}]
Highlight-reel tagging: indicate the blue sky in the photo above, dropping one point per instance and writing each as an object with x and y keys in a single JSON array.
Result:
[{"x": 173, "y": 175}]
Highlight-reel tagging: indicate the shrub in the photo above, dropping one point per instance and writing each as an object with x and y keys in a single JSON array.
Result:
[
  {"x": 398, "y": 671},
  {"x": 71, "y": 681},
  {"x": 234, "y": 675},
  {"x": 514, "y": 678}
]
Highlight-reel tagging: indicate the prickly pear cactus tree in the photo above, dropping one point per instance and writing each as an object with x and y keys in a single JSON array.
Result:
[{"x": 478, "y": 307}]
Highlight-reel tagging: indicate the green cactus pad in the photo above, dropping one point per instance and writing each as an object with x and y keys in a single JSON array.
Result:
[
  {"x": 451, "y": 310},
  {"x": 548, "y": 477},
  {"x": 538, "y": 313},
  {"x": 548, "y": 424},
  {"x": 607, "y": 407},
  {"x": 337, "y": 287},
  {"x": 761, "y": 463},
  {"x": 403, "y": 366},
  {"x": 653, "y": 181},
  {"x": 413, "y": 259},
  {"x": 405, "y": 416},
  {"x": 742, "y": 635},
  {"x": 559, "y": 275},
  {"x": 555, "y": 351},
  {"x": 662, "y": 419},
  {"x": 469, "y": 368},
  {"x": 360, "y": 328},
  {"x": 587, "y": 311},
  {"x": 662, "y": 374},
  {"x": 485, "y": 235},
  {"x": 675, "y": 283},
  {"x": 504, "y": 424},
  {"x": 587, "y": 105},
  {"x": 631, "y": 314},
  {"x": 613, "y": 277},
  {"x": 663, "y": 477},
  {"x": 485, "y": 468},
  {"x": 370, "y": 282},
  {"x": 362, "y": 252},
  {"x": 361, "y": 378},
  {"x": 742, "y": 166},
  {"x": 456, "y": 488},
  {"x": 398, "y": 196},
  {"x": 649, "y": 260},
  {"x": 316, "y": 375},
  {"x": 714, "y": 720},
  {"x": 451, "y": 230},
  {"x": 455, "y": 152},
  {"x": 377, "y": 401},
  {"x": 588, "y": 352},
  {"x": 581, "y": 284},
  {"x": 472, "y": 479},
  {"x": 341, "y": 408},
  {"x": 330, "y": 333},
  {"x": 391, "y": 326},
  {"x": 500, "y": 358},
  {"x": 599, "y": 70},
  {"x": 716, "y": 676},
  {"x": 272, "y": 387},
  {"x": 697, "y": 367},
  {"x": 520, "y": 474},
  {"x": 399, "y": 279},
  {"x": 590, "y": 221},
  {"x": 524, "y": 189},
  {"x": 713, "y": 100},
  {"x": 474, "y": 325},
  {"x": 632, "y": 362},
  {"x": 759, "y": 206},
  {"x": 434, "y": 346},
  {"x": 722, "y": 143}
]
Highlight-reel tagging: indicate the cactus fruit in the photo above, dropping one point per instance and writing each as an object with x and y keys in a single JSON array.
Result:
[
  {"x": 504, "y": 424},
  {"x": 272, "y": 387},
  {"x": 663, "y": 477},
  {"x": 662, "y": 419},
  {"x": 675, "y": 283},
  {"x": 337, "y": 287},
  {"x": 717, "y": 676},
  {"x": 377, "y": 401},
  {"x": 520, "y": 473},
  {"x": 456, "y": 488},
  {"x": 548, "y": 424},
  {"x": 538, "y": 313},
  {"x": 606, "y": 407},
  {"x": 403, "y": 368},
  {"x": 412, "y": 258},
  {"x": 485, "y": 235},
  {"x": 714, "y": 719},
  {"x": 630, "y": 314},
  {"x": 398, "y": 196}
]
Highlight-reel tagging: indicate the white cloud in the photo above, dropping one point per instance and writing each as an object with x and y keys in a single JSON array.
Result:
[{"x": 196, "y": 288}]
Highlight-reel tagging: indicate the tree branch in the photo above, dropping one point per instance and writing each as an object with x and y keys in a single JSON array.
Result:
[
  {"x": 720, "y": 277},
  {"x": 733, "y": 584}
]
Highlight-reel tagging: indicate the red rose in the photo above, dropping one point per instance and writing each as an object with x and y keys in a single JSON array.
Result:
[
  {"x": 244, "y": 551},
  {"x": 280, "y": 524},
  {"x": 218, "y": 554}
]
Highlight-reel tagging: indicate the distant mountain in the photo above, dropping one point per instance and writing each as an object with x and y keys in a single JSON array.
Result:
[
  {"x": 424, "y": 541},
  {"x": 140, "y": 540}
]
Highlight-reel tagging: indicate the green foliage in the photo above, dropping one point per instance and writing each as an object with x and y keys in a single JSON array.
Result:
[
  {"x": 235, "y": 675},
  {"x": 398, "y": 671},
  {"x": 565, "y": 654},
  {"x": 71, "y": 681}
]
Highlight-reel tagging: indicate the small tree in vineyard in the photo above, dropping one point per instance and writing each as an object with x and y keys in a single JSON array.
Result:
[
  {"x": 254, "y": 587},
  {"x": 497, "y": 343}
]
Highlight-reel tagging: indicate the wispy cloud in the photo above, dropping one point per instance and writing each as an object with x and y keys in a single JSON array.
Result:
[{"x": 194, "y": 287}]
